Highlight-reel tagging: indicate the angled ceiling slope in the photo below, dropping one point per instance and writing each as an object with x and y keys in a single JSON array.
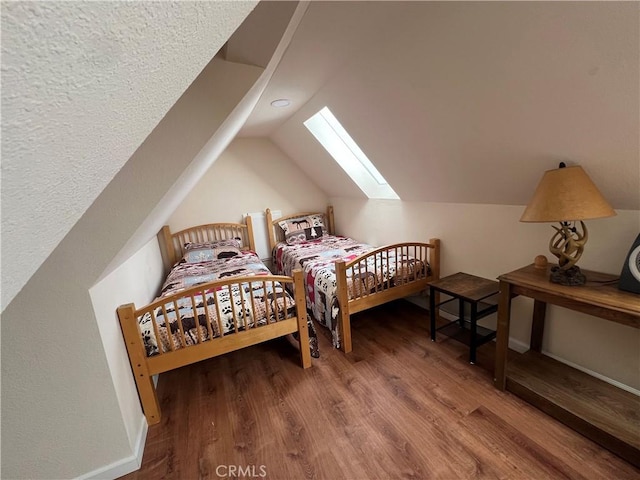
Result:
[
  {"x": 465, "y": 102},
  {"x": 282, "y": 23},
  {"x": 83, "y": 84},
  {"x": 254, "y": 42}
]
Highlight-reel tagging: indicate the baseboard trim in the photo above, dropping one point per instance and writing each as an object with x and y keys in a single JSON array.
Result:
[
  {"x": 517, "y": 345},
  {"x": 599, "y": 376},
  {"x": 522, "y": 347},
  {"x": 124, "y": 466}
]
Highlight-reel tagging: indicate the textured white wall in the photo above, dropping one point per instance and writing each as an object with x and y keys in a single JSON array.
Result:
[
  {"x": 83, "y": 84},
  {"x": 488, "y": 240}
]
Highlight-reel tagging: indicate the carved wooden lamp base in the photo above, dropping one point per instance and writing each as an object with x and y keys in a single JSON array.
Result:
[
  {"x": 571, "y": 276},
  {"x": 568, "y": 244},
  {"x": 567, "y": 195}
]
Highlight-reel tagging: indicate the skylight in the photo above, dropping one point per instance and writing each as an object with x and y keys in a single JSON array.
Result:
[{"x": 346, "y": 152}]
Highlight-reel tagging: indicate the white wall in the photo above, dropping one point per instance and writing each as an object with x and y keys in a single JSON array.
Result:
[
  {"x": 250, "y": 176},
  {"x": 488, "y": 240},
  {"x": 136, "y": 281}
]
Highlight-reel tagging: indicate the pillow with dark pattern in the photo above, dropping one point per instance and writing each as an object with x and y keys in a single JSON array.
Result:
[
  {"x": 207, "y": 254},
  {"x": 207, "y": 251},
  {"x": 228, "y": 242},
  {"x": 302, "y": 229}
]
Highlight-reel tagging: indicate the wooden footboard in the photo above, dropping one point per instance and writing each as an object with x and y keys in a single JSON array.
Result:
[
  {"x": 183, "y": 343},
  {"x": 359, "y": 283}
]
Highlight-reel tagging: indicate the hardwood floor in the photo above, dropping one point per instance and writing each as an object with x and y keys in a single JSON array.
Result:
[{"x": 399, "y": 406}]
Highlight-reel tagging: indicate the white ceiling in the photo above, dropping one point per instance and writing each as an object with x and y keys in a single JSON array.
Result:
[{"x": 465, "y": 102}]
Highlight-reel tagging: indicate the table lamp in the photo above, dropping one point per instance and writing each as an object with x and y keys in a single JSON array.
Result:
[{"x": 567, "y": 195}]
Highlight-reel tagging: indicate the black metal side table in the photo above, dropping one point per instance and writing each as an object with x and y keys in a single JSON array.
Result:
[{"x": 480, "y": 295}]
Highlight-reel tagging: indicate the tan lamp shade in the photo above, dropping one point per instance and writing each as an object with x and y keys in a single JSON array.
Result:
[{"x": 566, "y": 194}]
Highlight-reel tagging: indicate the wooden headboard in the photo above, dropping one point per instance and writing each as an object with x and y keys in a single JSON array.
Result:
[
  {"x": 173, "y": 243},
  {"x": 276, "y": 234}
]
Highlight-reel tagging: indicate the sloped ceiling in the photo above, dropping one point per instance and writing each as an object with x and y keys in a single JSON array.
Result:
[
  {"x": 255, "y": 40},
  {"x": 83, "y": 84},
  {"x": 465, "y": 102},
  {"x": 281, "y": 24}
]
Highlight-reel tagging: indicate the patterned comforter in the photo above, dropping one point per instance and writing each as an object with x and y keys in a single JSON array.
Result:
[
  {"x": 317, "y": 258},
  {"x": 246, "y": 305}
]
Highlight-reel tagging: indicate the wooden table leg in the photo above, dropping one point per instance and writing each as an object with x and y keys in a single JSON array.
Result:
[
  {"x": 502, "y": 336},
  {"x": 537, "y": 325}
]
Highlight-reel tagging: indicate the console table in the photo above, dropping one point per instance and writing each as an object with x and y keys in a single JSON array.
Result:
[{"x": 606, "y": 414}]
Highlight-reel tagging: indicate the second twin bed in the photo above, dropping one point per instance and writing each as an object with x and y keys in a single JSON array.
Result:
[{"x": 343, "y": 276}]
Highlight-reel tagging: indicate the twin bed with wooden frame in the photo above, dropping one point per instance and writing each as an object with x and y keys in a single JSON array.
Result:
[
  {"x": 187, "y": 325},
  {"x": 363, "y": 276}
]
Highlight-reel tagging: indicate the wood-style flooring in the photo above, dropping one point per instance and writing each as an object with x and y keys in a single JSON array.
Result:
[{"x": 399, "y": 406}]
